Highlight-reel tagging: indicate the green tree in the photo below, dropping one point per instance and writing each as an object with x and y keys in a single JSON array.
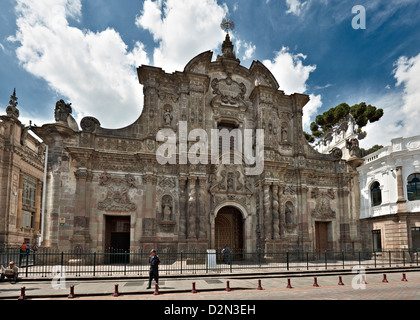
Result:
[
  {"x": 362, "y": 114},
  {"x": 364, "y": 152}
]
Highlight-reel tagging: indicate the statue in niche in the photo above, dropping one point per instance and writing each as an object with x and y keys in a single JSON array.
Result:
[
  {"x": 284, "y": 133},
  {"x": 167, "y": 117},
  {"x": 167, "y": 212},
  {"x": 167, "y": 208},
  {"x": 289, "y": 213}
]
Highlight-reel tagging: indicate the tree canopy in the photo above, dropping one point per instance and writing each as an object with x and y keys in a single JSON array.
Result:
[{"x": 362, "y": 114}]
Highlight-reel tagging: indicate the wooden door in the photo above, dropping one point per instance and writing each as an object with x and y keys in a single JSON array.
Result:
[
  {"x": 229, "y": 230},
  {"x": 321, "y": 229}
]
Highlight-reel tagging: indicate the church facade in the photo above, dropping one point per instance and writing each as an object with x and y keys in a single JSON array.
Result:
[{"x": 105, "y": 187}]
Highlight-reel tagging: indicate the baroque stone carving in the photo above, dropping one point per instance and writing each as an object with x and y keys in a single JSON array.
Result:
[
  {"x": 89, "y": 124},
  {"x": 62, "y": 110},
  {"x": 323, "y": 203},
  {"x": 336, "y": 153},
  {"x": 117, "y": 197},
  {"x": 230, "y": 91},
  {"x": 353, "y": 146}
]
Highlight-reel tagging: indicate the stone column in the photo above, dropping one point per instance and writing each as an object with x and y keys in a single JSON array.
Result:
[
  {"x": 37, "y": 218},
  {"x": 80, "y": 238},
  {"x": 268, "y": 219},
  {"x": 303, "y": 222},
  {"x": 276, "y": 220},
  {"x": 192, "y": 208},
  {"x": 203, "y": 204},
  {"x": 182, "y": 207},
  {"x": 401, "y": 202}
]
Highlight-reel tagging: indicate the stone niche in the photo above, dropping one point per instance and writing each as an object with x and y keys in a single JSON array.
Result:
[{"x": 166, "y": 215}]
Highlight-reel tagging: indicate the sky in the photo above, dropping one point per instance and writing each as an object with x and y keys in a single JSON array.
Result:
[{"x": 87, "y": 51}]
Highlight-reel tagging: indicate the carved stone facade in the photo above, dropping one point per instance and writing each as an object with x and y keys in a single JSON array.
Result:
[{"x": 98, "y": 173}]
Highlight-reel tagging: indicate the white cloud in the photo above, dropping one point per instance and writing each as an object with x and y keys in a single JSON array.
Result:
[
  {"x": 93, "y": 70},
  {"x": 407, "y": 74},
  {"x": 295, "y": 6},
  {"x": 249, "y": 49},
  {"x": 182, "y": 28},
  {"x": 292, "y": 75},
  {"x": 401, "y": 111},
  {"x": 2, "y": 48}
]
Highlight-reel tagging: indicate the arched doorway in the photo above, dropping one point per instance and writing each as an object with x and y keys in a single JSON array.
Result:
[{"x": 229, "y": 230}]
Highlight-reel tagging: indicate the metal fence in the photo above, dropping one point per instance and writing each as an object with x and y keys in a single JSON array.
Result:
[{"x": 47, "y": 263}]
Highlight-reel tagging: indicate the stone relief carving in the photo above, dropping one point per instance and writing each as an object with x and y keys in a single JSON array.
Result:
[
  {"x": 323, "y": 203},
  {"x": 230, "y": 91},
  {"x": 89, "y": 124},
  {"x": 336, "y": 153},
  {"x": 117, "y": 197}
]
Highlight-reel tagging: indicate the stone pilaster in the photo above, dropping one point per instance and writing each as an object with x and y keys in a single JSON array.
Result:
[
  {"x": 192, "y": 208},
  {"x": 276, "y": 219},
  {"x": 182, "y": 207},
  {"x": 80, "y": 238},
  {"x": 203, "y": 203},
  {"x": 401, "y": 202},
  {"x": 268, "y": 219}
]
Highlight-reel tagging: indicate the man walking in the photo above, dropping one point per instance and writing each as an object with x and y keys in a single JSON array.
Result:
[{"x": 154, "y": 268}]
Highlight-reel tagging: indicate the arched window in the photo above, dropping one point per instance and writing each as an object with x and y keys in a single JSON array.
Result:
[
  {"x": 413, "y": 187},
  {"x": 376, "y": 194}
]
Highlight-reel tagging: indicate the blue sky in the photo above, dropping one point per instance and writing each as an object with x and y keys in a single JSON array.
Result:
[{"x": 87, "y": 51}]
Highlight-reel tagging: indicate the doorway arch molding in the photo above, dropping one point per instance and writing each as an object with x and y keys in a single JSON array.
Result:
[{"x": 247, "y": 222}]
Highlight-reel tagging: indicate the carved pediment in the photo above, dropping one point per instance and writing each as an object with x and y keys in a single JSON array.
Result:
[
  {"x": 323, "y": 203},
  {"x": 229, "y": 91},
  {"x": 117, "y": 196},
  {"x": 231, "y": 179}
]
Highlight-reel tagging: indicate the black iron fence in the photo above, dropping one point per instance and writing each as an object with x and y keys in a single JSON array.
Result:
[{"x": 48, "y": 263}]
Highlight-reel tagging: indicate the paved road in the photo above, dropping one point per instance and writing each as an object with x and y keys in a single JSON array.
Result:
[{"x": 242, "y": 289}]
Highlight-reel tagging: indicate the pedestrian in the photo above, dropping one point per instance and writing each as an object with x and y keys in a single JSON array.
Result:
[
  {"x": 226, "y": 254},
  {"x": 154, "y": 267},
  {"x": 11, "y": 272},
  {"x": 24, "y": 251},
  {"x": 34, "y": 250}
]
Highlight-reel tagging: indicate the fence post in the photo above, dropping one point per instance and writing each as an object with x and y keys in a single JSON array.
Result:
[
  {"x": 325, "y": 255},
  {"x": 403, "y": 253},
  {"x": 94, "y": 263},
  {"x": 230, "y": 258},
  {"x": 125, "y": 262},
  {"x": 390, "y": 264},
  {"x": 307, "y": 260},
  {"x": 181, "y": 262},
  {"x": 27, "y": 261},
  {"x": 360, "y": 264},
  {"x": 287, "y": 260},
  {"x": 374, "y": 254},
  {"x": 342, "y": 254}
]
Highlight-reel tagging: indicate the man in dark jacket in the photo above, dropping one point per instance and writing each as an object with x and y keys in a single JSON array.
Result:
[{"x": 154, "y": 267}]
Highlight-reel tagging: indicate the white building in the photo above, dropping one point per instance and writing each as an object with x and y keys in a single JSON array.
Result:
[{"x": 390, "y": 196}]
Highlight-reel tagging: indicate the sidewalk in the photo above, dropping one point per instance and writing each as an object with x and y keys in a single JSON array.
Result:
[{"x": 127, "y": 287}]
